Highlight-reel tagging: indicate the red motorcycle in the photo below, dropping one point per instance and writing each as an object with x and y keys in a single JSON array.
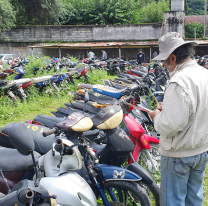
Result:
[{"x": 145, "y": 146}]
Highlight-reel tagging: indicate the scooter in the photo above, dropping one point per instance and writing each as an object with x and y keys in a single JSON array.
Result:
[
  {"x": 8, "y": 87},
  {"x": 103, "y": 177},
  {"x": 106, "y": 154},
  {"x": 60, "y": 179},
  {"x": 80, "y": 72},
  {"x": 21, "y": 192}
]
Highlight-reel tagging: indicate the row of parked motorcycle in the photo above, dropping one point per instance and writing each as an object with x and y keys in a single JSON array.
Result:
[
  {"x": 99, "y": 149},
  {"x": 64, "y": 71}
]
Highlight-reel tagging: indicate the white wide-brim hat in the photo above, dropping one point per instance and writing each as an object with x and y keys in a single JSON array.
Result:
[{"x": 170, "y": 42}]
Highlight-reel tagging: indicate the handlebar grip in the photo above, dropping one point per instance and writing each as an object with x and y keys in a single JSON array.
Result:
[{"x": 51, "y": 131}]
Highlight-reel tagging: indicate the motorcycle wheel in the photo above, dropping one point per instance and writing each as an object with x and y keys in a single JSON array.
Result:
[
  {"x": 144, "y": 161},
  {"x": 127, "y": 193},
  {"x": 153, "y": 192}
]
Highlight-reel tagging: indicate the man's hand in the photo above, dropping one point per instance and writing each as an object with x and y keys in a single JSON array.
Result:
[
  {"x": 159, "y": 106},
  {"x": 153, "y": 114}
]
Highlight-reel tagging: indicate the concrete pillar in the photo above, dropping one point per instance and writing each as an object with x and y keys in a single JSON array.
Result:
[
  {"x": 59, "y": 52},
  {"x": 177, "y": 5},
  {"x": 119, "y": 52},
  {"x": 150, "y": 53},
  {"x": 174, "y": 21}
]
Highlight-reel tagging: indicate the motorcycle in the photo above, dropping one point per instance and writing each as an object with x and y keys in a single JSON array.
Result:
[{"x": 18, "y": 191}]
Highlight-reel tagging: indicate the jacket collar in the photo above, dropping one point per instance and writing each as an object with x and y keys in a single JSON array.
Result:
[{"x": 182, "y": 66}]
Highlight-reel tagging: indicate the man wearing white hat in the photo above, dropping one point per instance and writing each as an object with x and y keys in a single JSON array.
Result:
[{"x": 182, "y": 121}]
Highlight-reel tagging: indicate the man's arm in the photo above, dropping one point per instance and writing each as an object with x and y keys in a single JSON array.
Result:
[{"x": 175, "y": 113}]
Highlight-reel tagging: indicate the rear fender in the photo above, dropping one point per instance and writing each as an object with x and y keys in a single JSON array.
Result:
[
  {"x": 144, "y": 143},
  {"x": 111, "y": 173},
  {"x": 147, "y": 139},
  {"x": 140, "y": 171}
]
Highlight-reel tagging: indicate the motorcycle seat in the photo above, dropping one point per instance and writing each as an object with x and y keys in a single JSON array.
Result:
[
  {"x": 41, "y": 79},
  {"x": 123, "y": 80},
  {"x": 97, "y": 97},
  {"x": 11, "y": 160},
  {"x": 138, "y": 73},
  {"x": 22, "y": 81},
  {"x": 78, "y": 69},
  {"x": 88, "y": 106},
  {"x": 42, "y": 144},
  {"x": 109, "y": 91},
  {"x": 68, "y": 111},
  {"x": 48, "y": 121},
  {"x": 87, "y": 86}
]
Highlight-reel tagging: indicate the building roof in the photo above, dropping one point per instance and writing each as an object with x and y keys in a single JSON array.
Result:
[
  {"x": 95, "y": 45},
  {"x": 98, "y": 45},
  {"x": 199, "y": 18}
]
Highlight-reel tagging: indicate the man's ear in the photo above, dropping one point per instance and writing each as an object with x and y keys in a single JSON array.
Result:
[{"x": 173, "y": 58}]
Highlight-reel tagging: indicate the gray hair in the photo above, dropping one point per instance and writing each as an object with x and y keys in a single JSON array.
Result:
[{"x": 183, "y": 52}]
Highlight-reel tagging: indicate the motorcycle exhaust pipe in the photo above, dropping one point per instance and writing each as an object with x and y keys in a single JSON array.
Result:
[{"x": 25, "y": 196}]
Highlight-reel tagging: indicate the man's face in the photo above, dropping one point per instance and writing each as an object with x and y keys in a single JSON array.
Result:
[
  {"x": 140, "y": 51},
  {"x": 169, "y": 64}
]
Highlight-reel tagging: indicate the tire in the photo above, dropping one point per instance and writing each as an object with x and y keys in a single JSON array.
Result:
[
  {"x": 136, "y": 195},
  {"x": 143, "y": 159},
  {"x": 153, "y": 192}
]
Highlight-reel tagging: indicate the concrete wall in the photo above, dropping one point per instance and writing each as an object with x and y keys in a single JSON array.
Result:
[
  {"x": 50, "y": 33},
  {"x": 174, "y": 21},
  {"x": 128, "y": 32},
  {"x": 85, "y": 33}
]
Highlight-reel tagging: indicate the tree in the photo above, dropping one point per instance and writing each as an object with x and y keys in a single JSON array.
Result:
[
  {"x": 189, "y": 30},
  {"x": 7, "y": 17},
  {"x": 153, "y": 12},
  {"x": 195, "y": 7},
  {"x": 38, "y": 12},
  {"x": 101, "y": 12}
]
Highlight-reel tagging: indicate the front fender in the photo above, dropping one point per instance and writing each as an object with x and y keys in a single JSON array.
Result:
[
  {"x": 109, "y": 173},
  {"x": 140, "y": 171}
]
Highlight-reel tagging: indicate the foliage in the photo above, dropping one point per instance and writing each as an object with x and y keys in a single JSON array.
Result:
[
  {"x": 189, "y": 30},
  {"x": 85, "y": 12},
  {"x": 194, "y": 7},
  {"x": 38, "y": 12},
  {"x": 7, "y": 17},
  {"x": 153, "y": 12},
  {"x": 38, "y": 62}
]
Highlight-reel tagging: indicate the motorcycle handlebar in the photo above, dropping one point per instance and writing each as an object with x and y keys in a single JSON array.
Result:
[{"x": 49, "y": 132}]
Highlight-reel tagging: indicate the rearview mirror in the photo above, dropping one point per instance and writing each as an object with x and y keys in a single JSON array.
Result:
[{"x": 21, "y": 138}]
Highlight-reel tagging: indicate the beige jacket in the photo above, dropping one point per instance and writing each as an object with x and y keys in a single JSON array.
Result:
[{"x": 183, "y": 122}]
